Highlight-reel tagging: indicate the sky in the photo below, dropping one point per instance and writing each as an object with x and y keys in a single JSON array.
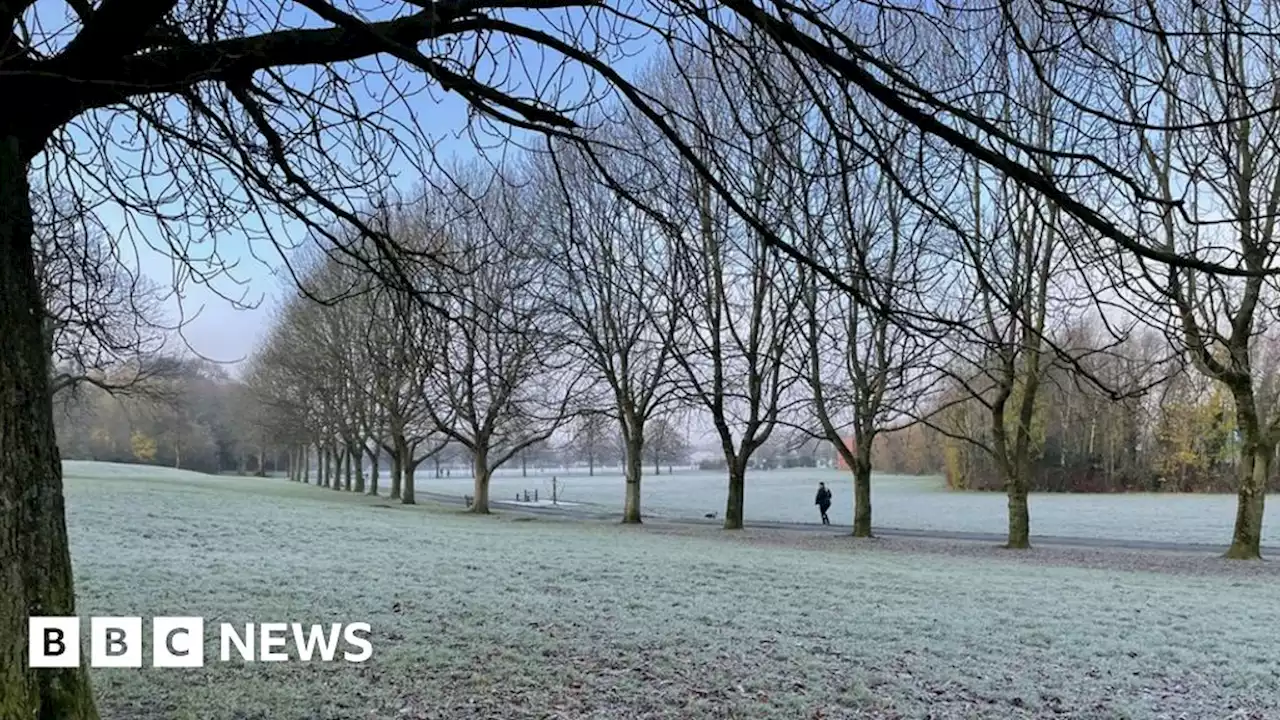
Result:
[{"x": 211, "y": 325}]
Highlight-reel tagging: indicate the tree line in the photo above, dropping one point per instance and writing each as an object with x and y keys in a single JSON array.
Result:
[
  {"x": 1173, "y": 431},
  {"x": 975, "y": 331},
  {"x": 193, "y": 414}
]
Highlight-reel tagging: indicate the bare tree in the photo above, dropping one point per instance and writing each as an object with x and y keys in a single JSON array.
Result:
[
  {"x": 270, "y": 411},
  {"x": 667, "y": 443},
  {"x": 400, "y": 348},
  {"x": 612, "y": 271},
  {"x": 866, "y": 373},
  {"x": 100, "y": 313},
  {"x": 502, "y": 379},
  {"x": 589, "y": 441},
  {"x": 1077, "y": 54},
  {"x": 736, "y": 323},
  {"x": 735, "y": 294},
  {"x": 361, "y": 361},
  {"x": 1219, "y": 169},
  {"x": 220, "y": 111}
]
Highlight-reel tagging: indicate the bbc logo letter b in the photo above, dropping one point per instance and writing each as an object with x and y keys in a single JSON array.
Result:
[
  {"x": 53, "y": 642},
  {"x": 115, "y": 642}
]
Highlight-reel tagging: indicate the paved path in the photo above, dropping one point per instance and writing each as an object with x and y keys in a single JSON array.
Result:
[{"x": 588, "y": 512}]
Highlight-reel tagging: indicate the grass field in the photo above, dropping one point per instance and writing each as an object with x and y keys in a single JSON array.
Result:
[
  {"x": 495, "y": 618},
  {"x": 917, "y": 503}
]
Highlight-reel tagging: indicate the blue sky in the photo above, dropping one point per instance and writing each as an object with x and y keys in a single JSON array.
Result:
[
  {"x": 228, "y": 331},
  {"x": 213, "y": 326}
]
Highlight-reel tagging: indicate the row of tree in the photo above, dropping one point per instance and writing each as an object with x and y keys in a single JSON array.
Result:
[
  {"x": 1170, "y": 429},
  {"x": 656, "y": 284},
  {"x": 189, "y": 413},
  {"x": 779, "y": 253}
]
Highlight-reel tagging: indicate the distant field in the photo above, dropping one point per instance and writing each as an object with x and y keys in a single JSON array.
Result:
[
  {"x": 921, "y": 503},
  {"x": 918, "y": 503},
  {"x": 488, "y": 618}
]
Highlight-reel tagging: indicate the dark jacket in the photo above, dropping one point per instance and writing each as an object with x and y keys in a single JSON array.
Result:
[{"x": 824, "y": 498}]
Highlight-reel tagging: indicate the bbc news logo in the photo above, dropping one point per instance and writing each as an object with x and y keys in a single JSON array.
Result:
[{"x": 179, "y": 642}]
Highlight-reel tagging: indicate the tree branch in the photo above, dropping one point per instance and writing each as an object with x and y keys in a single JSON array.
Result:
[{"x": 117, "y": 28}]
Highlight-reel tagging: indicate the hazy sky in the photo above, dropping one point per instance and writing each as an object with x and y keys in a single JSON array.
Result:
[
  {"x": 214, "y": 327},
  {"x": 211, "y": 325},
  {"x": 226, "y": 322}
]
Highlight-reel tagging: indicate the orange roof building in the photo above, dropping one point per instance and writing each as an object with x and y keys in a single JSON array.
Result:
[{"x": 852, "y": 446}]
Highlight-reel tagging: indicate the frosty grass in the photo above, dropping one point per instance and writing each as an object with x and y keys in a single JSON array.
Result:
[
  {"x": 496, "y": 618},
  {"x": 910, "y": 502}
]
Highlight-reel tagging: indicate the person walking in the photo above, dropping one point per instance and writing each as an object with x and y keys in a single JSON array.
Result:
[{"x": 823, "y": 501}]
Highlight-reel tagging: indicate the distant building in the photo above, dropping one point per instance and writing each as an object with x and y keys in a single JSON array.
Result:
[{"x": 853, "y": 448}]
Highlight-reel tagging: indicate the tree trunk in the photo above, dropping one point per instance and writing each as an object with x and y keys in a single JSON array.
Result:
[
  {"x": 480, "y": 504},
  {"x": 262, "y": 462},
  {"x": 373, "y": 472},
  {"x": 862, "y": 493},
  {"x": 357, "y": 457},
  {"x": 396, "y": 472},
  {"x": 1019, "y": 513},
  {"x": 306, "y": 464},
  {"x": 349, "y": 473},
  {"x": 1014, "y": 462},
  {"x": 35, "y": 563},
  {"x": 591, "y": 467},
  {"x": 409, "y": 484},
  {"x": 404, "y": 457},
  {"x": 1255, "y": 467},
  {"x": 631, "y": 507},
  {"x": 337, "y": 468},
  {"x": 524, "y": 466},
  {"x": 737, "y": 487}
]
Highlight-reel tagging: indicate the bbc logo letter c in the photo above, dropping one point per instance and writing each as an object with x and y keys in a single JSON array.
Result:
[{"x": 177, "y": 642}]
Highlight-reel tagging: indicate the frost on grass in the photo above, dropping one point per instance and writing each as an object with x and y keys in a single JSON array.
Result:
[
  {"x": 484, "y": 618},
  {"x": 915, "y": 503}
]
